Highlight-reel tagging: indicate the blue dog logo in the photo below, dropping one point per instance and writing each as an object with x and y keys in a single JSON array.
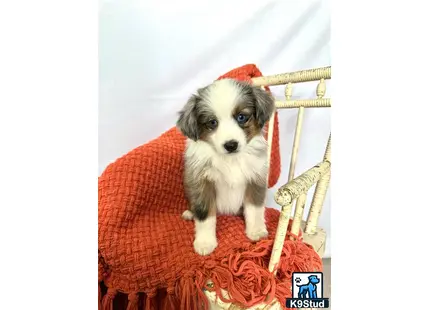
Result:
[
  {"x": 309, "y": 290},
  {"x": 309, "y": 295}
]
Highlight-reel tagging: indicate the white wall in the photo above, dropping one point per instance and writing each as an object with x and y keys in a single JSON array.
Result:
[{"x": 153, "y": 55}]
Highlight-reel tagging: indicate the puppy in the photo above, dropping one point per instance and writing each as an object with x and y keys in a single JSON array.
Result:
[{"x": 226, "y": 163}]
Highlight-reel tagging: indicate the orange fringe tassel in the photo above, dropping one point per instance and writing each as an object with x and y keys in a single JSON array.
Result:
[
  {"x": 100, "y": 297},
  {"x": 133, "y": 301},
  {"x": 150, "y": 303},
  {"x": 107, "y": 301},
  {"x": 171, "y": 303}
]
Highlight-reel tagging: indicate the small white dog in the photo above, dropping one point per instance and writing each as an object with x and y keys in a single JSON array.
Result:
[{"x": 225, "y": 158}]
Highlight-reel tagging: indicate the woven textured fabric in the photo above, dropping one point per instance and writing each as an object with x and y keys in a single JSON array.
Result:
[{"x": 146, "y": 248}]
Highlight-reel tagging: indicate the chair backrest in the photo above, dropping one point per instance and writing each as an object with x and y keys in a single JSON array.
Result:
[{"x": 297, "y": 187}]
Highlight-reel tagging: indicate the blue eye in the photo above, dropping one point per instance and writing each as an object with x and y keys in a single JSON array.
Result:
[{"x": 241, "y": 118}]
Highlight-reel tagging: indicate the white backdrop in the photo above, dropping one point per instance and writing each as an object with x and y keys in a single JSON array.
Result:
[{"x": 154, "y": 54}]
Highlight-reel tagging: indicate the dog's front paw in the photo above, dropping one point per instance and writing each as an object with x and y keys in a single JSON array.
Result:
[
  {"x": 187, "y": 215},
  {"x": 256, "y": 234},
  {"x": 205, "y": 246}
]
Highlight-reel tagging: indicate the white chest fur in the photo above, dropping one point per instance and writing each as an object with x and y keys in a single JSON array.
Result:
[{"x": 230, "y": 173}]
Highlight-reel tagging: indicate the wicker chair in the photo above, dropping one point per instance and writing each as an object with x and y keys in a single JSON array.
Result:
[{"x": 296, "y": 190}]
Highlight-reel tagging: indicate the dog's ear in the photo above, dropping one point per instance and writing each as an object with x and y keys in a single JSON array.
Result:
[
  {"x": 187, "y": 121},
  {"x": 264, "y": 105}
]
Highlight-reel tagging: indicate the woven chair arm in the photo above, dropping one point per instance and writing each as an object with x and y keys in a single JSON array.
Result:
[
  {"x": 301, "y": 184},
  {"x": 294, "y": 77},
  {"x": 305, "y": 103}
]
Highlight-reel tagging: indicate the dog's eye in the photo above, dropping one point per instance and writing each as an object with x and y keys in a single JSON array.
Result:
[
  {"x": 212, "y": 123},
  {"x": 242, "y": 118}
]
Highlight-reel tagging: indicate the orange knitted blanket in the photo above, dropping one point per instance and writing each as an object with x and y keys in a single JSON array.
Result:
[{"x": 146, "y": 255}]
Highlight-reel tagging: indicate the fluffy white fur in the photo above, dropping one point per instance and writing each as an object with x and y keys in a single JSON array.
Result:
[{"x": 230, "y": 173}]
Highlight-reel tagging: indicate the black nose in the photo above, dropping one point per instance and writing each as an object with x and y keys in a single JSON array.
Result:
[{"x": 231, "y": 146}]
